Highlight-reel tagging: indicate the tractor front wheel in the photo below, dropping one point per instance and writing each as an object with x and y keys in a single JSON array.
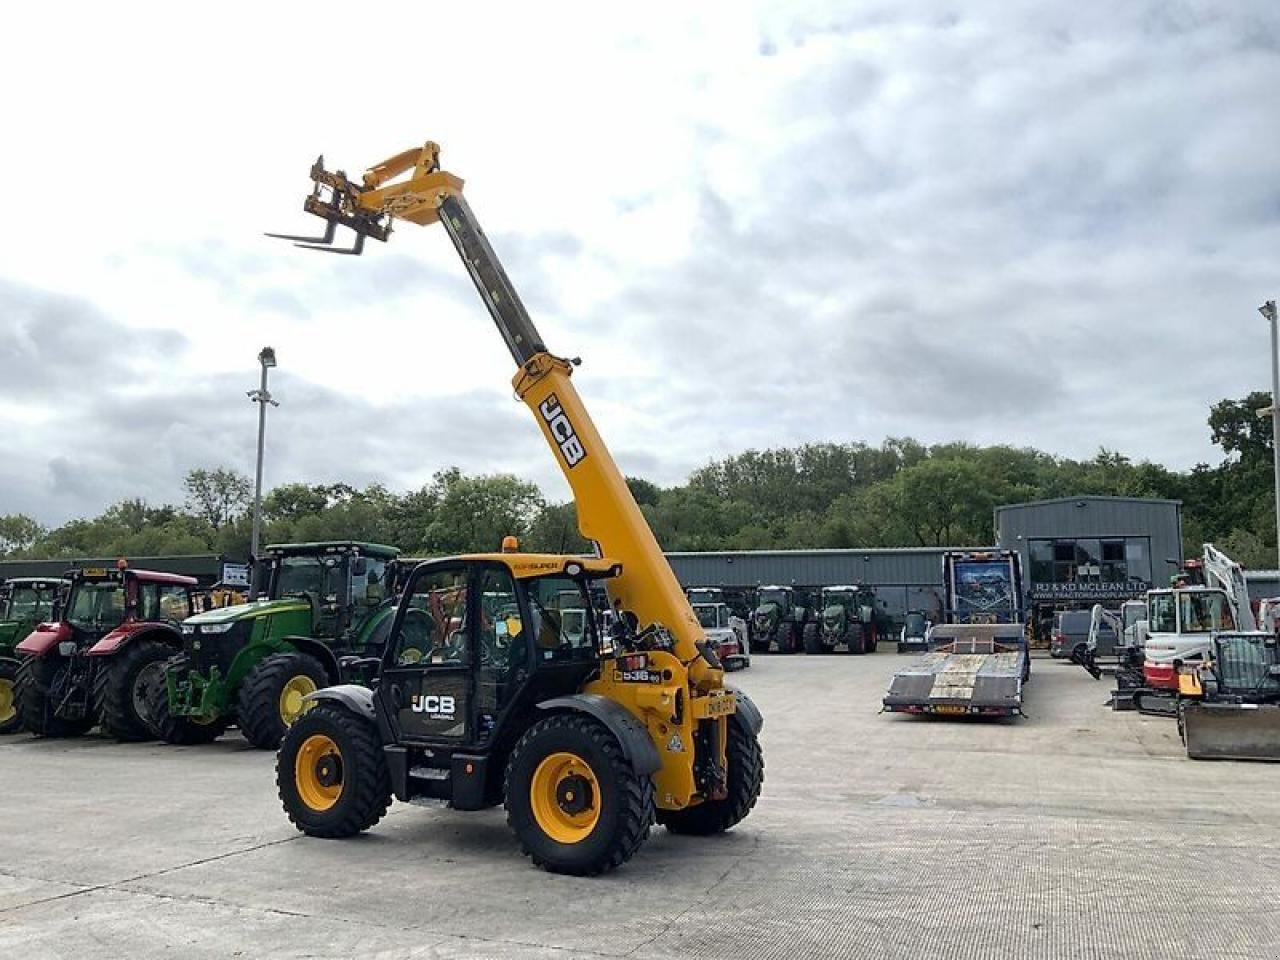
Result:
[
  {"x": 180, "y": 730},
  {"x": 10, "y": 720},
  {"x": 574, "y": 801},
  {"x": 812, "y": 639},
  {"x": 332, "y": 774},
  {"x": 37, "y": 679},
  {"x": 125, "y": 685},
  {"x": 746, "y": 776},
  {"x": 271, "y": 697}
]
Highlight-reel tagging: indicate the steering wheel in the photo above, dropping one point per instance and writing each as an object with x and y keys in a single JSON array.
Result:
[{"x": 414, "y": 634}]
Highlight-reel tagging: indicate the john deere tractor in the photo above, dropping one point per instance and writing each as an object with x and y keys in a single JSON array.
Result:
[
  {"x": 326, "y": 616},
  {"x": 781, "y": 620},
  {"x": 848, "y": 620},
  {"x": 24, "y": 602}
]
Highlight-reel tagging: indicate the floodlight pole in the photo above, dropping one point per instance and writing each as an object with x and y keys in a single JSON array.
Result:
[
  {"x": 1268, "y": 310},
  {"x": 262, "y": 397}
]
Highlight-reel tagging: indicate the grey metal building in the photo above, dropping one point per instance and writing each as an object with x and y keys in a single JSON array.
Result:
[{"x": 1077, "y": 551}]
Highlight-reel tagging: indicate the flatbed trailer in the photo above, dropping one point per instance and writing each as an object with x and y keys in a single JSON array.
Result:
[{"x": 974, "y": 670}]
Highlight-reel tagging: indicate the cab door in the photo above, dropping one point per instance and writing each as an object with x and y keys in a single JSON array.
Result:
[{"x": 427, "y": 668}]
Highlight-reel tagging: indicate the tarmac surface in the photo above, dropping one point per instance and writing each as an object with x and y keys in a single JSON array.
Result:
[{"x": 1074, "y": 833}]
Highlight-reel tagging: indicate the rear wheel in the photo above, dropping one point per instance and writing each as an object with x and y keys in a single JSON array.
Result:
[
  {"x": 10, "y": 721},
  {"x": 125, "y": 685},
  {"x": 38, "y": 688},
  {"x": 332, "y": 774},
  {"x": 746, "y": 776},
  {"x": 812, "y": 639},
  {"x": 182, "y": 730},
  {"x": 272, "y": 696},
  {"x": 574, "y": 801}
]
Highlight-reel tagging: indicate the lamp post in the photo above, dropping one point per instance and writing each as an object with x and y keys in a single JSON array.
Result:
[
  {"x": 1268, "y": 310},
  {"x": 262, "y": 397}
]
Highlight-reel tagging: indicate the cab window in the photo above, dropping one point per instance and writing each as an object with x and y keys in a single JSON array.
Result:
[
  {"x": 563, "y": 627},
  {"x": 434, "y": 629}
]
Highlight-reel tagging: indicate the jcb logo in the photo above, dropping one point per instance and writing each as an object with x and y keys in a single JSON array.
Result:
[
  {"x": 562, "y": 430},
  {"x": 436, "y": 708}
]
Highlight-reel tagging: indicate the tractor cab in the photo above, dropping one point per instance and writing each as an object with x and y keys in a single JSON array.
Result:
[
  {"x": 26, "y": 601},
  {"x": 343, "y": 583}
]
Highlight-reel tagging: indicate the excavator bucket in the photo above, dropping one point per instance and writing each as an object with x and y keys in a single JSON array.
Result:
[{"x": 1231, "y": 731}]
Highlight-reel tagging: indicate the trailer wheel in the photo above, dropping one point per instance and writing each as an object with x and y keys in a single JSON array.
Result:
[
  {"x": 10, "y": 719},
  {"x": 271, "y": 696},
  {"x": 37, "y": 676},
  {"x": 182, "y": 731},
  {"x": 124, "y": 688},
  {"x": 746, "y": 776},
  {"x": 332, "y": 774},
  {"x": 574, "y": 801}
]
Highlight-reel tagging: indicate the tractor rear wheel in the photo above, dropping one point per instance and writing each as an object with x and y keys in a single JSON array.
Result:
[
  {"x": 574, "y": 801},
  {"x": 812, "y": 639},
  {"x": 183, "y": 731},
  {"x": 271, "y": 696},
  {"x": 332, "y": 774},
  {"x": 746, "y": 776},
  {"x": 10, "y": 720},
  {"x": 37, "y": 676},
  {"x": 124, "y": 688}
]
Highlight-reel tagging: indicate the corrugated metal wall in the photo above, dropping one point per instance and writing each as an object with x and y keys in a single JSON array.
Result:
[{"x": 751, "y": 568}]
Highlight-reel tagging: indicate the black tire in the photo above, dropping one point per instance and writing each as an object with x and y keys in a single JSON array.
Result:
[
  {"x": 10, "y": 718},
  {"x": 626, "y": 807},
  {"x": 812, "y": 639},
  {"x": 124, "y": 684},
  {"x": 183, "y": 731},
  {"x": 35, "y": 676},
  {"x": 364, "y": 782},
  {"x": 746, "y": 776},
  {"x": 261, "y": 721}
]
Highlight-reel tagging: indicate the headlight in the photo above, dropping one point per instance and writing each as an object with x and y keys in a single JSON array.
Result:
[{"x": 216, "y": 627}]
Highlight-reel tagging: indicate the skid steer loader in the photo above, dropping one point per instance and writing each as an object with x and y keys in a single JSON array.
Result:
[
  {"x": 486, "y": 693},
  {"x": 1229, "y": 704}
]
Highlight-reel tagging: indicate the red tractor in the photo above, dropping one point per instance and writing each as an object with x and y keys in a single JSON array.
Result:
[{"x": 98, "y": 663}]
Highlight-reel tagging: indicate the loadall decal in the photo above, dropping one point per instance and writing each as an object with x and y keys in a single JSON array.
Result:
[
  {"x": 562, "y": 431},
  {"x": 436, "y": 708}
]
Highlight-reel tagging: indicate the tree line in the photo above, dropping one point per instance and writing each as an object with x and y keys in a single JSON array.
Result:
[{"x": 829, "y": 495}]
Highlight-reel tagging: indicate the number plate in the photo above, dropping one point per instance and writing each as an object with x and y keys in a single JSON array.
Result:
[
  {"x": 949, "y": 708},
  {"x": 715, "y": 705}
]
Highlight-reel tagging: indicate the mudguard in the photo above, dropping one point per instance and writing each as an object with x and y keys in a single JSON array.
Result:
[
  {"x": 122, "y": 634},
  {"x": 44, "y": 638},
  {"x": 630, "y": 732},
  {"x": 357, "y": 699},
  {"x": 747, "y": 714},
  {"x": 314, "y": 648}
]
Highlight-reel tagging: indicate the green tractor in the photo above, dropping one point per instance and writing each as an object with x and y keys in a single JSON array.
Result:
[
  {"x": 327, "y": 613},
  {"x": 848, "y": 619},
  {"x": 24, "y": 602},
  {"x": 782, "y": 619}
]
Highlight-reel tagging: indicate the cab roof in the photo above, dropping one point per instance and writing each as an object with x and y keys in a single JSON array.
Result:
[
  {"x": 35, "y": 581},
  {"x": 334, "y": 546},
  {"x": 147, "y": 576},
  {"x": 525, "y": 565}
]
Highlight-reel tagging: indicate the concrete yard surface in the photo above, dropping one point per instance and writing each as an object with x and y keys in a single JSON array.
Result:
[{"x": 1074, "y": 833}]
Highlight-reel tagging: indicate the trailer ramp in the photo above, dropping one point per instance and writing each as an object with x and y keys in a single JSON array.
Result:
[{"x": 974, "y": 674}]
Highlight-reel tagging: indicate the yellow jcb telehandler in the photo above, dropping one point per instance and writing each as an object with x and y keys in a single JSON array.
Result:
[{"x": 500, "y": 682}]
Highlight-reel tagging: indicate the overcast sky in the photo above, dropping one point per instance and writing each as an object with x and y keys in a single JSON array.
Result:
[{"x": 758, "y": 224}]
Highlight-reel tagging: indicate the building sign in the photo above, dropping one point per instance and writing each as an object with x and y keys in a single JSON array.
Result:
[
  {"x": 1089, "y": 590},
  {"x": 235, "y": 575}
]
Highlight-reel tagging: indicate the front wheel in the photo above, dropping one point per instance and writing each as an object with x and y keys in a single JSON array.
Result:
[
  {"x": 746, "y": 776},
  {"x": 10, "y": 721},
  {"x": 575, "y": 803},
  {"x": 332, "y": 774},
  {"x": 272, "y": 696},
  {"x": 180, "y": 730},
  {"x": 125, "y": 687}
]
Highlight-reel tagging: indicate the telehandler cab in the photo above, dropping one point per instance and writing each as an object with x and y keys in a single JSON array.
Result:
[{"x": 485, "y": 694}]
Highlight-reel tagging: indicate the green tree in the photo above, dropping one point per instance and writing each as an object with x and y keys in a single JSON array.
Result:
[
  {"x": 217, "y": 495},
  {"x": 18, "y": 532}
]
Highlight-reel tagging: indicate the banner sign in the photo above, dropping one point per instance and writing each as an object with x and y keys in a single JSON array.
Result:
[
  {"x": 235, "y": 575},
  {"x": 1089, "y": 590}
]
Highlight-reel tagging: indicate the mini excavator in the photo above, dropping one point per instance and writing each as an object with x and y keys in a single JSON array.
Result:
[{"x": 502, "y": 680}]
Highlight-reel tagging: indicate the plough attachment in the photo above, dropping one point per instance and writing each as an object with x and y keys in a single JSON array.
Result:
[{"x": 368, "y": 208}]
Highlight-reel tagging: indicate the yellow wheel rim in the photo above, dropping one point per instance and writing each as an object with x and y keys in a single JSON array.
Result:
[
  {"x": 7, "y": 708},
  {"x": 565, "y": 797},
  {"x": 317, "y": 770},
  {"x": 291, "y": 703}
]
